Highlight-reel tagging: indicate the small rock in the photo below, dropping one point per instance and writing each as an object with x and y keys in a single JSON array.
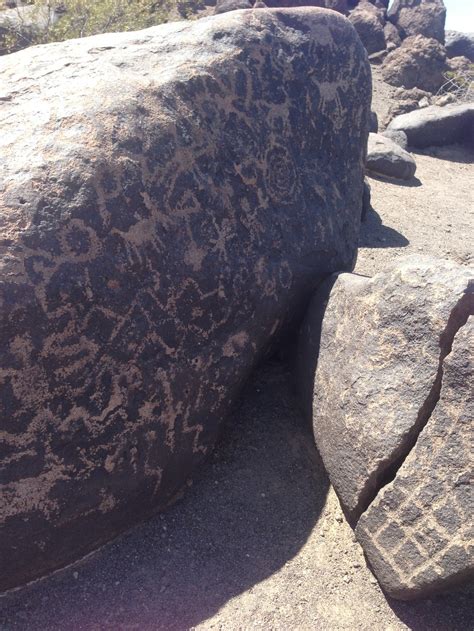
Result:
[{"x": 386, "y": 157}]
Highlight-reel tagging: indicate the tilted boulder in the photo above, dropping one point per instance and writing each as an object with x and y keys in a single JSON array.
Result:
[
  {"x": 417, "y": 534},
  {"x": 371, "y": 357},
  {"x": 460, "y": 44},
  {"x": 379, "y": 357},
  {"x": 418, "y": 63},
  {"x": 369, "y": 23},
  {"x": 386, "y": 157},
  {"x": 167, "y": 198},
  {"x": 436, "y": 125},
  {"x": 419, "y": 17}
]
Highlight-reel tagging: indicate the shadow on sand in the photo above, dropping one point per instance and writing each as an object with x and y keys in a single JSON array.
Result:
[
  {"x": 251, "y": 509},
  {"x": 374, "y": 234}
]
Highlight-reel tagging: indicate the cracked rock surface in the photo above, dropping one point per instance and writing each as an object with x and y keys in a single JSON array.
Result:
[
  {"x": 418, "y": 534},
  {"x": 382, "y": 344}
]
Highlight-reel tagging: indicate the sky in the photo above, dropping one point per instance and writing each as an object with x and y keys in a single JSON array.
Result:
[{"x": 460, "y": 15}]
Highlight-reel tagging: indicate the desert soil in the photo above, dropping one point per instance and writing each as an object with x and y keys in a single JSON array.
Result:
[{"x": 259, "y": 540}]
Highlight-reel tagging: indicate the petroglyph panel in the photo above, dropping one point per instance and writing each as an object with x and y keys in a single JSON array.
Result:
[
  {"x": 418, "y": 534},
  {"x": 168, "y": 198}
]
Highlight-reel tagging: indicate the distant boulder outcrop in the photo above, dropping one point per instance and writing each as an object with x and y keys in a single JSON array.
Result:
[
  {"x": 169, "y": 199},
  {"x": 419, "y": 62},
  {"x": 419, "y": 17}
]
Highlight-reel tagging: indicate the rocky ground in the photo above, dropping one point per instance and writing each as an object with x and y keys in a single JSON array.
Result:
[{"x": 259, "y": 540}]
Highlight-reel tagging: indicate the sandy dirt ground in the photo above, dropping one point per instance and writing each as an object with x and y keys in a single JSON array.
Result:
[{"x": 259, "y": 540}]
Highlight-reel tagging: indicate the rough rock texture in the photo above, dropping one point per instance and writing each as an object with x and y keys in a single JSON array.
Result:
[
  {"x": 386, "y": 157},
  {"x": 398, "y": 137},
  {"x": 437, "y": 125},
  {"x": 223, "y": 6},
  {"x": 392, "y": 36},
  {"x": 419, "y": 17},
  {"x": 377, "y": 375},
  {"x": 460, "y": 65},
  {"x": 154, "y": 240},
  {"x": 418, "y": 63},
  {"x": 418, "y": 534},
  {"x": 369, "y": 23},
  {"x": 460, "y": 44},
  {"x": 334, "y": 5}
]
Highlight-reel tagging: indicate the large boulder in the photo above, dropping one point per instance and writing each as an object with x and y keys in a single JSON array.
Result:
[
  {"x": 419, "y": 17},
  {"x": 418, "y": 63},
  {"x": 369, "y": 23},
  {"x": 460, "y": 44},
  {"x": 437, "y": 125},
  {"x": 371, "y": 357},
  {"x": 386, "y": 157},
  {"x": 374, "y": 383},
  {"x": 417, "y": 534},
  {"x": 167, "y": 200}
]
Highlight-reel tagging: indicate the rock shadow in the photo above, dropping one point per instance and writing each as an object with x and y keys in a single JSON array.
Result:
[
  {"x": 374, "y": 234},
  {"x": 413, "y": 182},
  {"x": 461, "y": 154},
  {"x": 250, "y": 510},
  {"x": 451, "y": 611}
]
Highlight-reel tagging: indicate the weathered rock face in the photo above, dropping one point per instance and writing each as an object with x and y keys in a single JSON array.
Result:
[
  {"x": 399, "y": 137},
  {"x": 418, "y": 63},
  {"x": 386, "y": 157},
  {"x": 383, "y": 345},
  {"x": 379, "y": 357},
  {"x": 437, "y": 125},
  {"x": 334, "y": 5},
  {"x": 223, "y": 6},
  {"x": 369, "y": 24},
  {"x": 460, "y": 44},
  {"x": 167, "y": 198},
  {"x": 417, "y": 534},
  {"x": 392, "y": 36},
  {"x": 419, "y": 17}
]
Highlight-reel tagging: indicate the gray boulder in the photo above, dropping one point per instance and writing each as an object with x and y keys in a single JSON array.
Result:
[
  {"x": 379, "y": 344},
  {"x": 460, "y": 44},
  {"x": 417, "y": 534},
  {"x": 399, "y": 137},
  {"x": 436, "y": 125},
  {"x": 154, "y": 241},
  {"x": 386, "y": 157},
  {"x": 368, "y": 21},
  {"x": 419, "y": 17},
  {"x": 392, "y": 36},
  {"x": 223, "y": 6},
  {"x": 418, "y": 63}
]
